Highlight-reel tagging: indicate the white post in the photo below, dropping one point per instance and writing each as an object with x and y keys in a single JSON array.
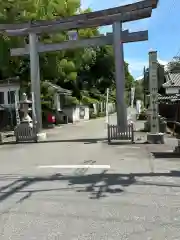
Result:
[
  {"x": 35, "y": 78},
  {"x": 33, "y": 109},
  {"x": 17, "y": 110},
  {"x": 107, "y": 106},
  {"x": 132, "y": 96}
]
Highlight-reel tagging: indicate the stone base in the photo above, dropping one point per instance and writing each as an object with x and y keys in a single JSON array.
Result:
[
  {"x": 41, "y": 136},
  {"x": 155, "y": 138},
  {"x": 177, "y": 149}
]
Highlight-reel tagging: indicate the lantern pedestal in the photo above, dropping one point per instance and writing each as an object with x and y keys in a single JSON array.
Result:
[
  {"x": 155, "y": 138},
  {"x": 177, "y": 148},
  {"x": 41, "y": 136}
]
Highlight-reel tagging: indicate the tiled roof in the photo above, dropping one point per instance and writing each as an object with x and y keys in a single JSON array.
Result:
[
  {"x": 57, "y": 88},
  {"x": 171, "y": 98},
  {"x": 10, "y": 81},
  {"x": 158, "y": 94},
  {"x": 172, "y": 80}
]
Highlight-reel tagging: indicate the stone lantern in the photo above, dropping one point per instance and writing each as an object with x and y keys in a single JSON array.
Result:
[
  {"x": 25, "y": 107},
  {"x": 25, "y": 131}
]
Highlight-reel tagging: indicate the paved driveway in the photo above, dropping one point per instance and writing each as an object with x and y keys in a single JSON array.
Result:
[{"x": 41, "y": 200}]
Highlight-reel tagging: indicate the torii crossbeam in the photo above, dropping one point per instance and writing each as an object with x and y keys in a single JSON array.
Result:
[{"x": 82, "y": 43}]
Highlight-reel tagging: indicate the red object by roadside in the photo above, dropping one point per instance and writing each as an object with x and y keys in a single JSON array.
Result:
[{"x": 51, "y": 118}]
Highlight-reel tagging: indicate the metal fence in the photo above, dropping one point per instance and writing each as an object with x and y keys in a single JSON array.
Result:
[
  {"x": 115, "y": 133},
  {"x": 24, "y": 133}
]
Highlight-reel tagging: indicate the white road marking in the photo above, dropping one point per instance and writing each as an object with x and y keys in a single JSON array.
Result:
[
  {"x": 75, "y": 166},
  {"x": 128, "y": 147}
]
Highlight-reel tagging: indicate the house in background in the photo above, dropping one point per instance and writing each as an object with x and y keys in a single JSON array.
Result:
[
  {"x": 172, "y": 84},
  {"x": 59, "y": 95},
  {"x": 9, "y": 90},
  {"x": 66, "y": 112}
]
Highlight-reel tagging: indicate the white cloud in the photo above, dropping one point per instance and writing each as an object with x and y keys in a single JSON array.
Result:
[
  {"x": 136, "y": 66},
  {"x": 162, "y": 62},
  {"x": 139, "y": 78}
]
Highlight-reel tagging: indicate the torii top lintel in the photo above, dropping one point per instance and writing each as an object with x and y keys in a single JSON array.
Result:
[{"x": 130, "y": 12}]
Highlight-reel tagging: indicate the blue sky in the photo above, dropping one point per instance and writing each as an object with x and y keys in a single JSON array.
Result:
[{"x": 163, "y": 27}]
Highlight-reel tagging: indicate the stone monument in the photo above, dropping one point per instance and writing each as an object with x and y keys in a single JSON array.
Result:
[
  {"x": 154, "y": 136},
  {"x": 25, "y": 107}
]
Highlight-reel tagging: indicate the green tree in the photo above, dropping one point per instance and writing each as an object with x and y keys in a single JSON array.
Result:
[
  {"x": 174, "y": 65},
  {"x": 139, "y": 91}
]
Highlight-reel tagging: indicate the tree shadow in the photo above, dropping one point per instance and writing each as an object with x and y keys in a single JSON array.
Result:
[
  {"x": 97, "y": 185},
  {"x": 48, "y": 140},
  {"x": 166, "y": 154},
  {"x": 100, "y": 185},
  {"x": 80, "y": 140}
]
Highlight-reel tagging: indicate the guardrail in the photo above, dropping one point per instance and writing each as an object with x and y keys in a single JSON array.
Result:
[
  {"x": 25, "y": 133},
  {"x": 115, "y": 133}
]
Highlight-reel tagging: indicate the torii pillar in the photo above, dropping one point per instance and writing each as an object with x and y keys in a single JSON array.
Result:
[
  {"x": 120, "y": 76},
  {"x": 35, "y": 79}
]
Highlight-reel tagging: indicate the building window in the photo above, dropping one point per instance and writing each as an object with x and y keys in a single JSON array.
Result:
[
  {"x": 1, "y": 97},
  {"x": 11, "y": 97}
]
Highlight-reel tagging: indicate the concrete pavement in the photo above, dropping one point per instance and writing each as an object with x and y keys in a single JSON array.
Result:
[{"x": 137, "y": 198}]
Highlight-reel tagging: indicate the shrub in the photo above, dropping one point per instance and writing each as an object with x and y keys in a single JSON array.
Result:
[
  {"x": 92, "y": 116},
  {"x": 101, "y": 114},
  {"x": 142, "y": 116}
]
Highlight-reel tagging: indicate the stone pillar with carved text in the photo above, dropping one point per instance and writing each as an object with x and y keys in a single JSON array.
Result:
[
  {"x": 153, "y": 88},
  {"x": 154, "y": 136}
]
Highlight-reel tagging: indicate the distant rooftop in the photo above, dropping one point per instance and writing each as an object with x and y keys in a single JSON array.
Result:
[
  {"x": 172, "y": 80},
  {"x": 172, "y": 98},
  {"x": 57, "y": 88},
  {"x": 10, "y": 81}
]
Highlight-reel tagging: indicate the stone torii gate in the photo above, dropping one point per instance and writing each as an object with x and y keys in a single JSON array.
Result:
[{"x": 115, "y": 16}]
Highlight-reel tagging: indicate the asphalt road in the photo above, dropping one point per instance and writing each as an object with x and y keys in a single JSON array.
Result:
[{"x": 127, "y": 201}]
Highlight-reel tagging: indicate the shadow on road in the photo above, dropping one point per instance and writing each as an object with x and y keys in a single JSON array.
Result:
[
  {"x": 83, "y": 140},
  {"x": 97, "y": 185},
  {"x": 166, "y": 154},
  {"x": 80, "y": 140}
]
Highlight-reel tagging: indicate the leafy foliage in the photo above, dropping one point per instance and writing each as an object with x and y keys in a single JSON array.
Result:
[
  {"x": 139, "y": 91},
  {"x": 174, "y": 65},
  {"x": 87, "y": 72}
]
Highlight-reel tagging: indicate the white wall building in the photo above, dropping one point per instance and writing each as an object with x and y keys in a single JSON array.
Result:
[{"x": 9, "y": 90}]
